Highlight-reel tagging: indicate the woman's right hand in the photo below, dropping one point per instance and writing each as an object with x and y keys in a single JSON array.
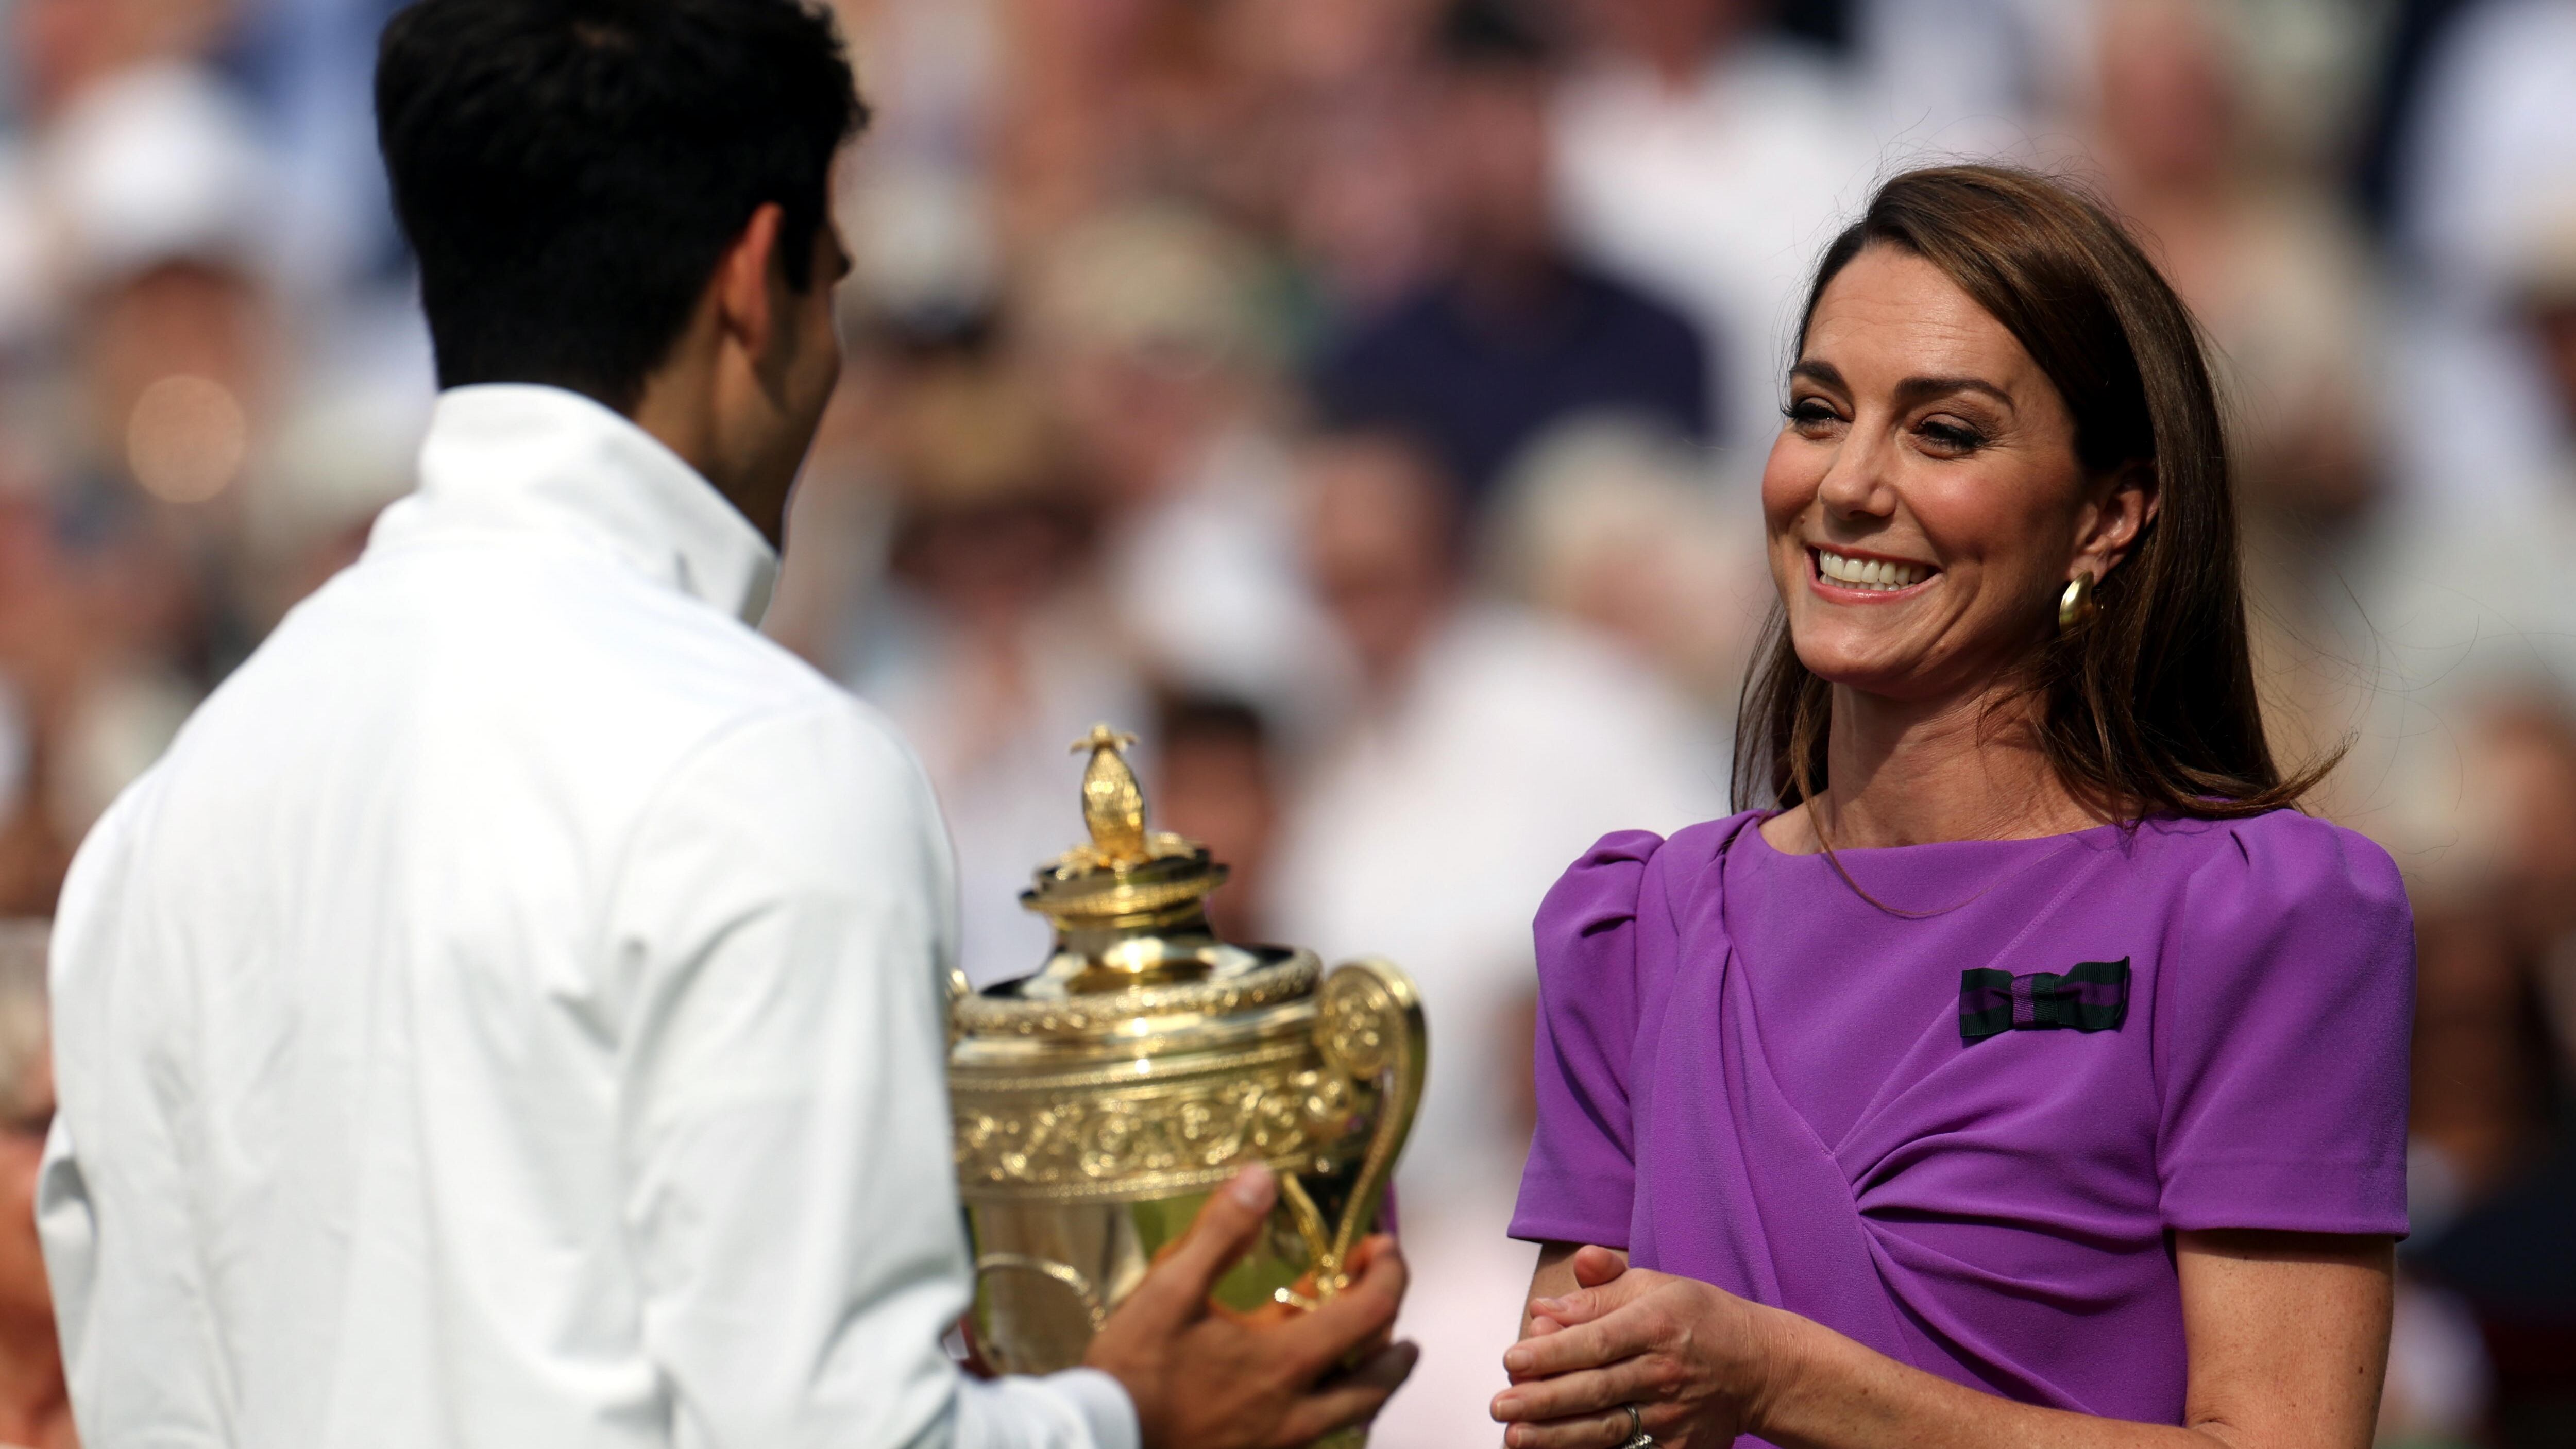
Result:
[
  {"x": 1205, "y": 1378},
  {"x": 1691, "y": 1356}
]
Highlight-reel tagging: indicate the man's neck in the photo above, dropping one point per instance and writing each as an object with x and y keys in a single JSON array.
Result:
[
  {"x": 676, "y": 409},
  {"x": 35, "y": 1404}
]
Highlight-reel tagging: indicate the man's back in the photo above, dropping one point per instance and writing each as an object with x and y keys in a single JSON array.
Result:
[{"x": 475, "y": 950}]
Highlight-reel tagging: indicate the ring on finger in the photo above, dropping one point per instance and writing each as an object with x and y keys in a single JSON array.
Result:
[{"x": 1638, "y": 1438}]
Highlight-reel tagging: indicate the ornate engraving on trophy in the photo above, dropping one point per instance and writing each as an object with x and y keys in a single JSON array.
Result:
[{"x": 1058, "y": 1139}]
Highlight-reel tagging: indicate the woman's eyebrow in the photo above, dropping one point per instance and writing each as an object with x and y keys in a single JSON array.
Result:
[
  {"x": 1821, "y": 373},
  {"x": 1916, "y": 389}
]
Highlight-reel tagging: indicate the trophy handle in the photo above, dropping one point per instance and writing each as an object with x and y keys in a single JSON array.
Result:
[
  {"x": 1065, "y": 1274},
  {"x": 1370, "y": 1028}
]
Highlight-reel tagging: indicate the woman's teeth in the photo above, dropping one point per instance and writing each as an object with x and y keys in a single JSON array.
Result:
[{"x": 1869, "y": 573}]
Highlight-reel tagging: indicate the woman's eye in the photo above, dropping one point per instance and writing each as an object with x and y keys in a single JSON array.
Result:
[
  {"x": 1948, "y": 436},
  {"x": 1808, "y": 414}
]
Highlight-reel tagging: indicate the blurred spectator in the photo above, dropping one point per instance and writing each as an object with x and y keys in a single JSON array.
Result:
[
  {"x": 2473, "y": 607},
  {"x": 1488, "y": 749},
  {"x": 129, "y": 150},
  {"x": 1616, "y": 525},
  {"x": 43, "y": 652},
  {"x": 1338, "y": 102},
  {"x": 1330, "y": 92},
  {"x": 2494, "y": 1068},
  {"x": 1161, "y": 368},
  {"x": 1713, "y": 163},
  {"x": 2280, "y": 280},
  {"x": 2269, "y": 266},
  {"x": 63, "y": 47},
  {"x": 2478, "y": 621},
  {"x": 2440, "y": 1382},
  {"x": 172, "y": 386},
  {"x": 1514, "y": 334},
  {"x": 919, "y": 209},
  {"x": 35, "y": 1406},
  {"x": 2488, "y": 165},
  {"x": 1963, "y": 77},
  {"x": 309, "y": 66},
  {"x": 988, "y": 647},
  {"x": 1216, "y": 782}
]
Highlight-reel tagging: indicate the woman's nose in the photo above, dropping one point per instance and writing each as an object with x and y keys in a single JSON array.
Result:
[{"x": 1855, "y": 482}]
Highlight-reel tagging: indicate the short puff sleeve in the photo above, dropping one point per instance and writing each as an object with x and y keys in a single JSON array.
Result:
[
  {"x": 1582, "y": 1172},
  {"x": 2282, "y": 1022}
]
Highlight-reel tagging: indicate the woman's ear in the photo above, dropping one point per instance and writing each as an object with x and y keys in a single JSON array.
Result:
[{"x": 2125, "y": 506}]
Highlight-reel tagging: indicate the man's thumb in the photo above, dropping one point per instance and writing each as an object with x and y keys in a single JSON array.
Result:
[{"x": 1216, "y": 1241}]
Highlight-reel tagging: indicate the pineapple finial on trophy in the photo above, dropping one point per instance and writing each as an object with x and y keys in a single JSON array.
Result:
[
  {"x": 1113, "y": 810},
  {"x": 1113, "y": 803}
]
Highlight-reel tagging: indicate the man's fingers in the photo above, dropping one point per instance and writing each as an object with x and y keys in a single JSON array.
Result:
[
  {"x": 1358, "y": 1313},
  {"x": 1594, "y": 1266},
  {"x": 1361, "y": 1257},
  {"x": 1367, "y": 1249},
  {"x": 1179, "y": 1285},
  {"x": 1351, "y": 1398}
]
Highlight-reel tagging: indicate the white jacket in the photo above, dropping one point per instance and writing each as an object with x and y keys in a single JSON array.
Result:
[{"x": 511, "y": 1013}]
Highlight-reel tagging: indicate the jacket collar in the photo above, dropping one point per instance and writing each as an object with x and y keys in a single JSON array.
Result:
[{"x": 519, "y": 455}]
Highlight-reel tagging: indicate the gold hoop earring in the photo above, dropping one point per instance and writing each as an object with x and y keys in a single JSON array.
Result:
[{"x": 2075, "y": 607}]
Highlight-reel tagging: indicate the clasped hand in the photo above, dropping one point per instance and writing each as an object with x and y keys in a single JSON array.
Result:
[{"x": 1693, "y": 1358}]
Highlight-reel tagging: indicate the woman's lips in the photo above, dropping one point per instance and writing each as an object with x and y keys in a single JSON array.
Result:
[{"x": 1857, "y": 577}]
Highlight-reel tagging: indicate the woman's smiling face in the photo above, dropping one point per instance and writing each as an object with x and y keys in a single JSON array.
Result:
[{"x": 1924, "y": 502}]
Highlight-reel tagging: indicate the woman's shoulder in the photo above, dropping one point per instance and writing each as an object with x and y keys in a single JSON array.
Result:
[
  {"x": 1604, "y": 885},
  {"x": 2282, "y": 863},
  {"x": 2286, "y": 845}
]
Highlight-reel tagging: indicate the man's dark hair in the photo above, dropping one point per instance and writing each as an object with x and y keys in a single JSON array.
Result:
[{"x": 570, "y": 172}]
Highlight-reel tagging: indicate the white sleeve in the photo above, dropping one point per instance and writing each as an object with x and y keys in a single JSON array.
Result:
[{"x": 778, "y": 948}]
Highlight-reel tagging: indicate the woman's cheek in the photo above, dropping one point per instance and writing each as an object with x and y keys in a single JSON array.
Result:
[{"x": 1789, "y": 479}]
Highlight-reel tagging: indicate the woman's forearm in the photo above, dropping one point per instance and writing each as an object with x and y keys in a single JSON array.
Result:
[
  {"x": 1828, "y": 1392},
  {"x": 2287, "y": 1334}
]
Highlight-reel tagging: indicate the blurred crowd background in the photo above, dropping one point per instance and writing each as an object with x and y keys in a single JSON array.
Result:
[{"x": 1363, "y": 400}]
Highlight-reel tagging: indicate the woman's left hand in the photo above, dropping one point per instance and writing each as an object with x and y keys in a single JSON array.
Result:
[{"x": 1693, "y": 1358}]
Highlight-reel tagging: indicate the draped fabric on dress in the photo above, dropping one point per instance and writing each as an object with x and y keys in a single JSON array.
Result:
[{"x": 1752, "y": 1073}]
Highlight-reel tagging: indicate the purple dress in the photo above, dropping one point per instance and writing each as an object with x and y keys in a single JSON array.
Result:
[{"x": 1750, "y": 1075}]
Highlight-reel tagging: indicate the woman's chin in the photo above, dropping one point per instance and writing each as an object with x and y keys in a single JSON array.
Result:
[{"x": 1870, "y": 665}]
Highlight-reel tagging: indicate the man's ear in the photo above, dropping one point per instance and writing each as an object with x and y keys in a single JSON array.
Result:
[
  {"x": 2130, "y": 500},
  {"x": 746, "y": 306}
]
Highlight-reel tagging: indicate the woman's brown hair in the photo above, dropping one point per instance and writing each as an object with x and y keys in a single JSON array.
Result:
[{"x": 2150, "y": 708}]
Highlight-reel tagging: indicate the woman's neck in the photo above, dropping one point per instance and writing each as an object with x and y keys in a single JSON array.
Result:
[{"x": 1909, "y": 772}]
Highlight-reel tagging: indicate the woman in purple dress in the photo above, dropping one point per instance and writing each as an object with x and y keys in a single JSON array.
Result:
[{"x": 2038, "y": 1074}]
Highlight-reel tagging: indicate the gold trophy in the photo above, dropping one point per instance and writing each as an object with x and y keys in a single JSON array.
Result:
[{"x": 1099, "y": 1101}]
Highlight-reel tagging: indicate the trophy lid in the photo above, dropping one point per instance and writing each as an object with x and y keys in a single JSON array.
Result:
[
  {"x": 1126, "y": 873},
  {"x": 1136, "y": 967},
  {"x": 1129, "y": 905}
]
